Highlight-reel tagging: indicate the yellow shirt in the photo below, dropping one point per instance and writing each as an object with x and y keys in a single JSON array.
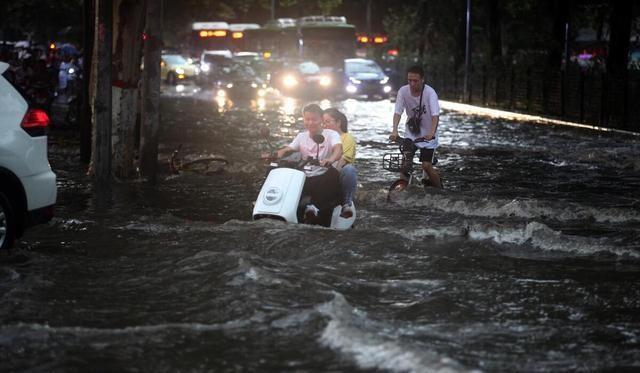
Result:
[{"x": 348, "y": 147}]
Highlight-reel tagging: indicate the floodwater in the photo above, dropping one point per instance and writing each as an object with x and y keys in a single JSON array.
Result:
[{"x": 528, "y": 260}]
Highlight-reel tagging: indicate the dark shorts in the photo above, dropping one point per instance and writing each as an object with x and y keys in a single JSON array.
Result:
[{"x": 426, "y": 155}]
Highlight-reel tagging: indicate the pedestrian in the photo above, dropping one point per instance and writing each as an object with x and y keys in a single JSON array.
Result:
[
  {"x": 420, "y": 102},
  {"x": 337, "y": 121}
]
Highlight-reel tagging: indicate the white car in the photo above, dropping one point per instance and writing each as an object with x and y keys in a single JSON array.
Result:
[{"x": 27, "y": 184}]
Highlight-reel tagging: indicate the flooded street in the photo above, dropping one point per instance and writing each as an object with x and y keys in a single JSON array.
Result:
[{"x": 528, "y": 260}]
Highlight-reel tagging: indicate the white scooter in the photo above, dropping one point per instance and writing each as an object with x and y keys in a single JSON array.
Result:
[{"x": 281, "y": 195}]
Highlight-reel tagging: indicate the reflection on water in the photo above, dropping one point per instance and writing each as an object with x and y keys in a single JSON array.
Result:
[
  {"x": 289, "y": 106},
  {"x": 527, "y": 261}
]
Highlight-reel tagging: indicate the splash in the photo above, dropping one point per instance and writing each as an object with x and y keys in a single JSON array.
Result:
[{"x": 354, "y": 335}]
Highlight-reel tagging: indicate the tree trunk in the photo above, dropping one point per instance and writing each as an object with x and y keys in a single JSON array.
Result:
[
  {"x": 494, "y": 33},
  {"x": 620, "y": 22},
  {"x": 102, "y": 100},
  {"x": 561, "y": 20},
  {"x": 150, "y": 120},
  {"x": 128, "y": 25},
  {"x": 88, "y": 37},
  {"x": 618, "y": 89}
]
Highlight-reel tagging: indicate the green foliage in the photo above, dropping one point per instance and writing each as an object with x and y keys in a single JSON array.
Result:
[{"x": 41, "y": 20}]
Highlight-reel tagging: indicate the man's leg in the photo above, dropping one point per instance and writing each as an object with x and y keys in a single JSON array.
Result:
[
  {"x": 426, "y": 157},
  {"x": 324, "y": 194},
  {"x": 434, "y": 178}
]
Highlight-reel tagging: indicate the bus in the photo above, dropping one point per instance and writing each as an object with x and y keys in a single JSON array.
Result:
[
  {"x": 210, "y": 36},
  {"x": 237, "y": 33},
  {"x": 323, "y": 39},
  {"x": 326, "y": 39},
  {"x": 277, "y": 38}
]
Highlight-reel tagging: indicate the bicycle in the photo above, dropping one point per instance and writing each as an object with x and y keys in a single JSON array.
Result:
[
  {"x": 206, "y": 166},
  {"x": 397, "y": 162}
]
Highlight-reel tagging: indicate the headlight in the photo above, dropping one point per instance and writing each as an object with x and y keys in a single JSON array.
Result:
[
  {"x": 254, "y": 85},
  {"x": 179, "y": 70},
  {"x": 72, "y": 70},
  {"x": 354, "y": 80},
  {"x": 262, "y": 93},
  {"x": 229, "y": 85},
  {"x": 386, "y": 89},
  {"x": 221, "y": 93},
  {"x": 290, "y": 81},
  {"x": 384, "y": 80},
  {"x": 351, "y": 88},
  {"x": 196, "y": 69},
  {"x": 325, "y": 81},
  {"x": 205, "y": 67}
]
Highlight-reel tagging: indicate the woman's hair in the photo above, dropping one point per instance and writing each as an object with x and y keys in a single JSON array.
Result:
[{"x": 337, "y": 115}]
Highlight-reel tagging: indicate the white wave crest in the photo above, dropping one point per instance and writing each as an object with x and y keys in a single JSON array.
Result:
[
  {"x": 347, "y": 332},
  {"x": 545, "y": 238},
  {"x": 522, "y": 208}
]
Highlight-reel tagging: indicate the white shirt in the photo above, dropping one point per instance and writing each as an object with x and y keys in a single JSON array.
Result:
[
  {"x": 308, "y": 148},
  {"x": 406, "y": 102}
]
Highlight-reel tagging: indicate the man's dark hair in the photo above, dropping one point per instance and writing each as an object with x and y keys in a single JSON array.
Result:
[
  {"x": 312, "y": 108},
  {"x": 416, "y": 69},
  {"x": 341, "y": 118}
]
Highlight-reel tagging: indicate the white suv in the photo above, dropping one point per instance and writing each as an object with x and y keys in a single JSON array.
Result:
[{"x": 27, "y": 184}]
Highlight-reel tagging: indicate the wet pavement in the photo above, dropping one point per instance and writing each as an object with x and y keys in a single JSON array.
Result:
[{"x": 527, "y": 261}]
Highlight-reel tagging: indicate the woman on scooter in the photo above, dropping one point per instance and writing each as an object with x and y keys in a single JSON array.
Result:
[
  {"x": 322, "y": 183},
  {"x": 337, "y": 121}
]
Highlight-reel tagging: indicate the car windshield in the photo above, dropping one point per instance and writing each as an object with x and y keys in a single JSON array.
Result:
[
  {"x": 308, "y": 68},
  {"x": 217, "y": 59},
  {"x": 241, "y": 72},
  {"x": 174, "y": 59},
  {"x": 362, "y": 67}
]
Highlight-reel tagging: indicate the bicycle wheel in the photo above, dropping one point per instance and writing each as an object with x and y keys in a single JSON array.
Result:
[{"x": 205, "y": 166}]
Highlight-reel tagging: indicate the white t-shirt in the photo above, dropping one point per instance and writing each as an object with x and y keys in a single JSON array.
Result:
[
  {"x": 406, "y": 102},
  {"x": 308, "y": 148}
]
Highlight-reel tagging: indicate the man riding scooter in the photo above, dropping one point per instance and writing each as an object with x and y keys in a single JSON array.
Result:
[{"x": 322, "y": 184}]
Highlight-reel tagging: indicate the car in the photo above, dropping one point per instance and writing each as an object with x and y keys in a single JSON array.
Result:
[
  {"x": 211, "y": 65},
  {"x": 365, "y": 77},
  {"x": 239, "y": 82},
  {"x": 28, "y": 189},
  {"x": 306, "y": 78},
  {"x": 175, "y": 68}
]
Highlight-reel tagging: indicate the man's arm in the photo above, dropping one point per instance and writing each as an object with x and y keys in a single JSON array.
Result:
[
  {"x": 434, "y": 127},
  {"x": 394, "y": 131},
  {"x": 336, "y": 154},
  {"x": 284, "y": 151}
]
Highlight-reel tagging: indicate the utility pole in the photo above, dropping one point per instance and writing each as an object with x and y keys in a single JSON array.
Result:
[
  {"x": 151, "y": 91},
  {"x": 273, "y": 9},
  {"x": 467, "y": 54},
  {"x": 102, "y": 103},
  {"x": 369, "y": 17}
]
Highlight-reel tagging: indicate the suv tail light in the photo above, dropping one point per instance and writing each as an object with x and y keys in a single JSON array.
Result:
[{"x": 35, "y": 122}]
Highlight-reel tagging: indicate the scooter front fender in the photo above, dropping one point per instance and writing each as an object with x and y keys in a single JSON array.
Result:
[{"x": 280, "y": 195}]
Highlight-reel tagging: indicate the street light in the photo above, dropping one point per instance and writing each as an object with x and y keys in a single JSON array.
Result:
[{"x": 467, "y": 55}]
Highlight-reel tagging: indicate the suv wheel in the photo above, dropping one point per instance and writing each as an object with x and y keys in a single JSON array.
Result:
[{"x": 7, "y": 223}]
